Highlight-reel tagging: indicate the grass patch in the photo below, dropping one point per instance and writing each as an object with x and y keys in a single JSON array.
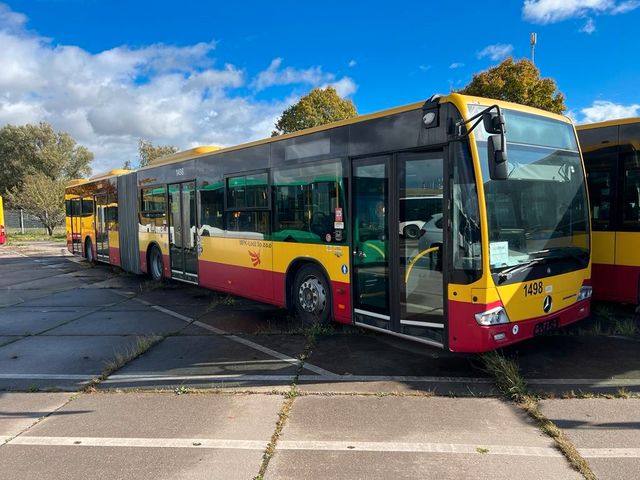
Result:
[
  {"x": 121, "y": 359},
  {"x": 16, "y": 238},
  {"x": 607, "y": 319},
  {"x": 513, "y": 387},
  {"x": 506, "y": 373}
]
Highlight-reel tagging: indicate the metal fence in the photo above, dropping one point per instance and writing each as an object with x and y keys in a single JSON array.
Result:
[{"x": 22, "y": 222}]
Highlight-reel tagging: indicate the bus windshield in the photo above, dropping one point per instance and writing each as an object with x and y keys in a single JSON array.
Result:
[{"x": 540, "y": 210}]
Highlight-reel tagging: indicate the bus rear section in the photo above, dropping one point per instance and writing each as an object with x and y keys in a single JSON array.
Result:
[
  {"x": 3, "y": 232},
  {"x": 611, "y": 152}
]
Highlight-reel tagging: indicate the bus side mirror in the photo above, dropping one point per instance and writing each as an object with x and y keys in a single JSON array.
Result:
[
  {"x": 497, "y": 157},
  {"x": 493, "y": 122}
]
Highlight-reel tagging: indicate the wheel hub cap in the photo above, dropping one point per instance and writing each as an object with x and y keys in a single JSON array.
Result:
[{"x": 312, "y": 296}]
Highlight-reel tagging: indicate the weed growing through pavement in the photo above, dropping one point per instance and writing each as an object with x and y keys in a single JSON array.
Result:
[
  {"x": 513, "y": 387},
  {"x": 482, "y": 450},
  {"x": 121, "y": 359}
]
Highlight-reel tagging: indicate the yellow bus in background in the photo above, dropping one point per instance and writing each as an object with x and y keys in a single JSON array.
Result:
[
  {"x": 3, "y": 231},
  {"x": 459, "y": 222},
  {"x": 611, "y": 152}
]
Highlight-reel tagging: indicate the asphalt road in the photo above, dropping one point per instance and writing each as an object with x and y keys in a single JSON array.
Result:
[{"x": 230, "y": 379}]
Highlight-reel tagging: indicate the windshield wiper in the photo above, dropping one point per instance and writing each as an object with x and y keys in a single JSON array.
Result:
[
  {"x": 507, "y": 273},
  {"x": 557, "y": 253}
]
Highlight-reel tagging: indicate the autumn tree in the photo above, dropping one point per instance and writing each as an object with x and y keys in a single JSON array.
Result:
[
  {"x": 147, "y": 151},
  {"x": 28, "y": 149},
  {"x": 41, "y": 196},
  {"x": 318, "y": 107},
  {"x": 517, "y": 82}
]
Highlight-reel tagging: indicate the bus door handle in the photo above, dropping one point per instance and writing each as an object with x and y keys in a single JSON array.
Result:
[{"x": 359, "y": 253}]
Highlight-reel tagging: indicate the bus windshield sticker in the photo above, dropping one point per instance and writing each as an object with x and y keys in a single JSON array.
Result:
[{"x": 499, "y": 253}]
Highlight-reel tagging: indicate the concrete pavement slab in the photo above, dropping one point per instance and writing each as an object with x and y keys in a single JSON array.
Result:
[
  {"x": 4, "y": 339},
  {"x": 250, "y": 319},
  {"x": 295, "y": 465},
  {"x": 19, "y": 411},
  {"x": 33, "y": 320},
  {"x": 99, "y": 463},
  {"x": 410, "y": 437},
  {"x": 136, "y": 322},
  {"x": 96, "y": 297},
  {"x": 43, "y": 362},
  {"x": 379, "y": 363},
  {"x": 165, "y": 415},
  {"x": 605, "y": 431},
  {"x": 231, "y": 421},
  {"x": 208, "y": 361},
  {"x": 581, "y": 363}
]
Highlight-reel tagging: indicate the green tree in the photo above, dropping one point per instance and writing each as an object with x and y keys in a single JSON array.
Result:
[
  {"x": 517, "y": 82},
  {"x": 318, "y": 107},
  {"x": 28, "y": 149},
  {"x": 148, "y": 152},
  {"x": 41, "y": 196}
]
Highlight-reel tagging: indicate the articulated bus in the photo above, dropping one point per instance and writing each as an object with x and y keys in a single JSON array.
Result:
[
  {"x": 3, "y": 233},
  {"x": 611, "y": 152},
  {"x": 322, "y": 221}
]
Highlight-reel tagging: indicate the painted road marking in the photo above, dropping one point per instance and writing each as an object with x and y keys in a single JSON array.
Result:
[
  {"x": 316, "y": 445},
  {"x": 45, "y": 376},
  {"x": 419, "y": 448},
  {"x": 125, "y": 378},
  {"x": 140, "y": 442},
  {"x": 610, "y": 452},
  {"x": 244, "y": 341}
]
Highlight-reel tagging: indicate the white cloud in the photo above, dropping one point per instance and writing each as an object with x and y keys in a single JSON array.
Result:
[
  {"x": 456, "y": 65},
  {"x": 589, "y": 27},
  {"x": 168, "y": 94},
  {"x": 496, "y": 52},
  {"x": 602, "y": 110},
  {"x": 352, "y": 63},
  {"x": 424, "y": 68},
  {"x": 552, "y": 11},
  {"x": 274, "y": 75},
  {"x": 345, "y": 87}
]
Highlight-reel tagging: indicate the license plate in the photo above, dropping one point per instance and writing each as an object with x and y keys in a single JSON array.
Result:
[{"x": 545, "y": 327}]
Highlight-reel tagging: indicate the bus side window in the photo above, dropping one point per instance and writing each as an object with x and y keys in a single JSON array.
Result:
[{"x": 629, "y": 146}]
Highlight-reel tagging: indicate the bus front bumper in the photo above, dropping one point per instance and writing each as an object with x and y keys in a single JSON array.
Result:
[{"x": 465, "y": 335}]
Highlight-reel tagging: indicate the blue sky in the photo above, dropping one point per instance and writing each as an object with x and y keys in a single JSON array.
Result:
[{"x": 196, "y": 72}]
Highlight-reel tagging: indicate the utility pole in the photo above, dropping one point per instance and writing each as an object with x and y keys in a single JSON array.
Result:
[{"x": 533, "y": 39}]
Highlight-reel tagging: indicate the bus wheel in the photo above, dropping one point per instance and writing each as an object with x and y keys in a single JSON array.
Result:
[
  {"x": 411, "y": 231},
  {"x": 88, "y": 250},
  {"x": 311, "y": 296},
  {"x": 156, "y": 265}
]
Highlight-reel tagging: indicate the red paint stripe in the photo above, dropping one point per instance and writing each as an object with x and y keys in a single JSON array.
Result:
[
  {"x": 341, "y": 293},
  {"x": 246, "y": 282},
  {"x": 615, "y": 283},
  {"x": 465, "y": 335},
  {"x": 114, "y": 256}
]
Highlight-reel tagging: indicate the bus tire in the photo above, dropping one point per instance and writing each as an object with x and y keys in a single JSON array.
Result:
[
  {"x": 88, "y": 250},
  {"x": 156, "y": 264},
  {"x": 411, "y": 231},
  {"x": 311, "y": 296}
]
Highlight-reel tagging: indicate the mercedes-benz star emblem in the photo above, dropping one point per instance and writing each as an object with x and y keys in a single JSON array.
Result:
[{"x": 546, "y": 304}]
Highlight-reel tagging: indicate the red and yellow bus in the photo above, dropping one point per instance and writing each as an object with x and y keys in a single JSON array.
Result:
[
  {"x": 324, "y": 221},
  {"x": 3, "y": 232},
  {"x": 611, "y": 152}
]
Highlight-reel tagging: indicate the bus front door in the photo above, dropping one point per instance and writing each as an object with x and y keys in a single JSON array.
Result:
[
  {"x": 397, "y": 269},
  {"x": 371, "y": 242},
  {"x": 183, "y": 231}
]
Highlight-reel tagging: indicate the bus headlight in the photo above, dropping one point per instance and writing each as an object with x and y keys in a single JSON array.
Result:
[
  {"x": 585, "y": 292},
  {"x": 495, "y": 316}
]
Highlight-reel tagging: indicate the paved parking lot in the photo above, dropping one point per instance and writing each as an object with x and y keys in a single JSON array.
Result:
[{"x": 227, "y": 380}]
